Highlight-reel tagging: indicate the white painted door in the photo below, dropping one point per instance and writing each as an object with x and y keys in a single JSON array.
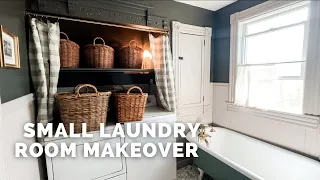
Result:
[{"x": 190, "y": 70}]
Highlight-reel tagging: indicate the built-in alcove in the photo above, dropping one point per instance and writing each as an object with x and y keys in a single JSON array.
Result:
[
  {"x": 116, "y": 37},
  {"x": 84, "y": 33}
]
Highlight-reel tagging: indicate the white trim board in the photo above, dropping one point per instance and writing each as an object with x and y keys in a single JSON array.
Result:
[
  {"x": 4, "y": 174},
  {"x": 14, "y": 115},
  {"x": 13, "y": 105}
]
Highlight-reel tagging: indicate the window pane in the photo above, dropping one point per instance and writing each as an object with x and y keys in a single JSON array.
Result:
[
  {"x": 278, "y": 21},
  {"x": 284, "y": 45},
  {"x": 268, "y": 92},
  {"x": 288, "y": 69}
]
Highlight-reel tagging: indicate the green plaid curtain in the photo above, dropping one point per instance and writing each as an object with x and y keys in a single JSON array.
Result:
[
  {"x": 163, "y": 67},
  {"x": 44, "y": 44}
]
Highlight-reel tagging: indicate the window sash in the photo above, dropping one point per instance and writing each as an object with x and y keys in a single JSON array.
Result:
[
  {"x": 276, "y": 13},
  {"x": 275, "y": 29},
  {"x": 254, "y": 14},
  {"x": 242, "y": 45},
  {"x": 243, "y": 40}
]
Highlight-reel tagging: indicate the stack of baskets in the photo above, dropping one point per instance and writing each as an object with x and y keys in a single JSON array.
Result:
[{"x": 92, "y": 108}]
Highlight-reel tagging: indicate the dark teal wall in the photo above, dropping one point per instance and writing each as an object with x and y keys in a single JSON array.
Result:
[
  {"x": 222, "y": 37},
  {"x": 15, "y": 83}
]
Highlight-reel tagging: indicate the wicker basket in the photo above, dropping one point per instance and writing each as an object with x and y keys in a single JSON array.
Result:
[
  {"x": 99, "y": 55},
  {"x": 130, "y": 107},
  {"x": 69, "y": 53},
  {"x": 89, "y": 108},
  {"x": 131, "y": 56}
]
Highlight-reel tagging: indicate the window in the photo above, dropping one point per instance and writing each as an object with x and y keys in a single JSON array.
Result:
[{"x": 271, "y": 59}]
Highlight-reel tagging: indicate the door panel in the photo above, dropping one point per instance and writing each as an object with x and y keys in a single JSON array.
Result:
[{"x": 191, "y": 49}]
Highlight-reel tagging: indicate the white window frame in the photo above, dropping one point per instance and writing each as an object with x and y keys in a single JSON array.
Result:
[{"x": 235, "y": 54}]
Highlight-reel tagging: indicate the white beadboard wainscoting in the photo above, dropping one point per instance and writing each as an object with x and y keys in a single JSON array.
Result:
[
  {"x": 13, "y": 116},
  {"x": 300, "y": 133}
]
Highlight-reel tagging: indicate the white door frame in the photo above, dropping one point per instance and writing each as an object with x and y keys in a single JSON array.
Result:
[{"x": 177, "y": 28}]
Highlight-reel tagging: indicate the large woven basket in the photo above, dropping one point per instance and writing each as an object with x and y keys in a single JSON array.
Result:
[
  {"x": 78, "y": 108},
  {"x": 130, "y": 106},
  {"x": 69, "y": 53},
  {"x": 131, "y": 56},
  {"x": 99, "y": 55}
]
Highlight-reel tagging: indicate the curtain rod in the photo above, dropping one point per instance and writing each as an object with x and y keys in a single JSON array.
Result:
[{"x": 99, "y": 23}]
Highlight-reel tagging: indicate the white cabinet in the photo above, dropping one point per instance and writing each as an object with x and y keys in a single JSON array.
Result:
[
  {"x": 87, "y": 168},
  {"x": 158, "y": 167},
  {"x": 81, "y": 168},
  {"x": 192, "y": 55}
]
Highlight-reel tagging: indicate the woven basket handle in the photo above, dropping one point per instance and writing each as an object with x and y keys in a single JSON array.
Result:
[
  {"x": 134, "y": 87},
  {"x": 94, "y": 41},
  {"x": 77, "y": 90},
  {"x": 132, "y": 42},
  {"x": 65, "y": 35}
]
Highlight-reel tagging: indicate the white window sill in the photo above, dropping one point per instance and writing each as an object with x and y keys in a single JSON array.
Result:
[{"x": 304, "y": 120}]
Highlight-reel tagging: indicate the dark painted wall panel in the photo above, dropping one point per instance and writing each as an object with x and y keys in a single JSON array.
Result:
[
  {"x": 222, "y": 37},
  {"x": 175, "y": 11},
  {"x": 15, "y": 83}
]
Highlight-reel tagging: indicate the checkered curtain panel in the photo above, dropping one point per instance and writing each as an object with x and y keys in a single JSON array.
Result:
[
  {"x": 44, "y": 44},
  {"x": 163, "y": 67}
]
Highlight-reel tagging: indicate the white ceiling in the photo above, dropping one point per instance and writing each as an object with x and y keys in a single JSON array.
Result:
[{"x": 212, "y": 5}]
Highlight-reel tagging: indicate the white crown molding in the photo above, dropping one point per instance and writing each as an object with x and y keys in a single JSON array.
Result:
[
  {"x": 186, "y": 28},
  {"x": 208, "y": 31},
  {"x": 176, "y": 25},
  {"x": 234, "y": 18}
]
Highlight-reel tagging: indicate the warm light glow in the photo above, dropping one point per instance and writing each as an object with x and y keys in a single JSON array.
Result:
[{"x": 146, "y": 54}]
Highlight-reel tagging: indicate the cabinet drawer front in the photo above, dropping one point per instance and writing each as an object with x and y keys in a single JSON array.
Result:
[{"x": 81, "y": 168}]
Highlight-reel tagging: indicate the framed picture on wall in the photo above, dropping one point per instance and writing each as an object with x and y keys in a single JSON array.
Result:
[{"x": 9, "y": 50}]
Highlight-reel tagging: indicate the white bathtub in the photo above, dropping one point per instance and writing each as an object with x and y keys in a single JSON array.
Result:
[{"x": 256, "y": 159}]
